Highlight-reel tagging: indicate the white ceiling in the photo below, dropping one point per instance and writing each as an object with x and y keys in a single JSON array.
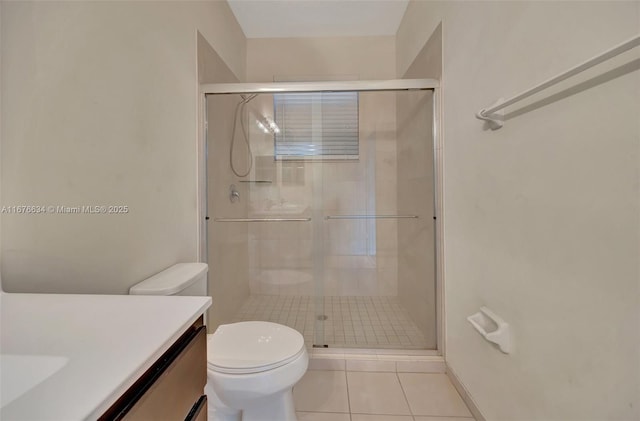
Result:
[{"x": 318, "y": 18}]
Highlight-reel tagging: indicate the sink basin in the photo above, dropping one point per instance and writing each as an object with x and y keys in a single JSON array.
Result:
[{"x": 21, "y": 373}]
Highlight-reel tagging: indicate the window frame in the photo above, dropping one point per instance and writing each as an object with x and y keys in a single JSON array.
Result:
[{"x": 315, "y": 118}]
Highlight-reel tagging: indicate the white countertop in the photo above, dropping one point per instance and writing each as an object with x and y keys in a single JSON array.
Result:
[{"x": 99, "y": 345}]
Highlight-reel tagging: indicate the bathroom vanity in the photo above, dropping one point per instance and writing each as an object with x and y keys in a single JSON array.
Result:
[{"x": 78, "y": 357}]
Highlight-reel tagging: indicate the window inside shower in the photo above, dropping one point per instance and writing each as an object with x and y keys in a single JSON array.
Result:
[
  {"x": 315, "y": 125},
  {"x": 343, "y": 250}
]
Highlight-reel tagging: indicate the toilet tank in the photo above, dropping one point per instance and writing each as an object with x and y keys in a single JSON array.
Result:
[{"x": 179, "y": 279}]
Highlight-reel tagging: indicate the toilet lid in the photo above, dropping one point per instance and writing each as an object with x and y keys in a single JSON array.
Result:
[{"x": 251, "y": 347}]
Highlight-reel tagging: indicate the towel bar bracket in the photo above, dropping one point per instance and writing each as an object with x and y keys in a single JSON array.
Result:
[{"x": 496, "y": 119}]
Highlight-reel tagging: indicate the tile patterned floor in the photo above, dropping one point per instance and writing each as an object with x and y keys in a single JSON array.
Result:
[
  {"x": 376, "y": 396},
  {"x": 352, "y": 322}
]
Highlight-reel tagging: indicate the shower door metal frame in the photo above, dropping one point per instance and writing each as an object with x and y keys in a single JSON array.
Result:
[
  {"x": 438, "y": 212},
  {"x": 328, "y": 86},
  {"x": 337, "y": 86}
]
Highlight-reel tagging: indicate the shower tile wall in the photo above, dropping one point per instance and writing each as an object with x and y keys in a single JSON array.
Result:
[{"x": 360, "y": 255}]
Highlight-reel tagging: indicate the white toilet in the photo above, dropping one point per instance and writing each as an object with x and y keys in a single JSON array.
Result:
[{"x": 252, "y": 366}]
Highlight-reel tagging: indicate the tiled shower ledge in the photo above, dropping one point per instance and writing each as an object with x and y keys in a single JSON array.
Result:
[{"x": 376, "y": 361}]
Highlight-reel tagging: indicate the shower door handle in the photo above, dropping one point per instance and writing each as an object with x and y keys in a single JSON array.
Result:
[
  {"x": 262, "y": 219},
  {"x": 370, "y": 216}
]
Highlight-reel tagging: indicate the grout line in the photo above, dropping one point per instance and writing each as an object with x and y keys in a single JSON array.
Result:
[
  {"x": 405, "y": 395},
  {"x": 397, "y": 415},
  {"x": 327, "y": 412},
  {"x": 346, "y": 379}
]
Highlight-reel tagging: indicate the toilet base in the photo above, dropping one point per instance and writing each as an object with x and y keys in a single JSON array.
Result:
[
  {"x": 217, "y": 411},
  {"x": 277, "y": 407}
]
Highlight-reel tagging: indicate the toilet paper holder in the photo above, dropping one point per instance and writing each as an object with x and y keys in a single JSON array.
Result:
[{"x": 493, "y": 328}]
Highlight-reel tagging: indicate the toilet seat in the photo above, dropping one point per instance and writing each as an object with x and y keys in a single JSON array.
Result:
[{"x": 252, "y": 347}]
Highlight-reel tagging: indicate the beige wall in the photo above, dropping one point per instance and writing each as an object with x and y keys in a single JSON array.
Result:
[
  {"x": 100, "y": 107},
  {"x": 282, "y": 256},
  {"x": 541, "y": 217},
  {"x": 427, "y": 63},
  {"x": 320, "y": 58}
]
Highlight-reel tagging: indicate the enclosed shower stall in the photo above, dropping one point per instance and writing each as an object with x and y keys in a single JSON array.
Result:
[{"x": 321, "y": 209}]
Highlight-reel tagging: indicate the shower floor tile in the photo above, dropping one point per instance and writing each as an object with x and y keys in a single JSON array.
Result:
[{"x": 351, "y": 322}]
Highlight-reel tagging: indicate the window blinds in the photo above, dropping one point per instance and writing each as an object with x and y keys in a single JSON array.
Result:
[{"x": 316, "y": 125}]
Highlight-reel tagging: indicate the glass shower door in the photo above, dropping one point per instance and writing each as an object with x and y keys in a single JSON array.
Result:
[
  {"x": 264, "y": 253},
  {"x": 379, "y": 235},
  {"x": 321, "y": 215}
]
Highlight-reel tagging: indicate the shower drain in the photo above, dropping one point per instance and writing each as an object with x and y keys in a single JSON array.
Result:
[{"x": 322, "y": 317}]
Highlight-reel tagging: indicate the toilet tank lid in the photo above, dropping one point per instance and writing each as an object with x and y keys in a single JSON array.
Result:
[{"x": 171, "y": 280}]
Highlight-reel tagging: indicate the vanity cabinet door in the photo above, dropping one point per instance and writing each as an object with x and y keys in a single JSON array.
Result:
[
  {"x": 172, "y": 388},
  {"x": 172, "y": 396}
]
